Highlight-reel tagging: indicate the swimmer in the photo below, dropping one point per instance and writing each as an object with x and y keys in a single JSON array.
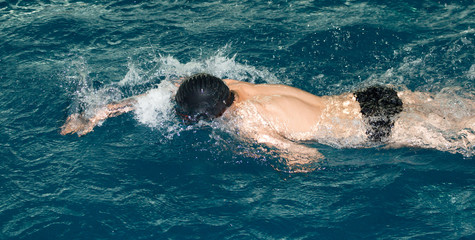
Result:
[{"x": 283, "y": 116}]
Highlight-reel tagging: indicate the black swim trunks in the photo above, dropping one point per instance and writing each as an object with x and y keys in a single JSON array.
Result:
[{"x": 379, "y": 106}]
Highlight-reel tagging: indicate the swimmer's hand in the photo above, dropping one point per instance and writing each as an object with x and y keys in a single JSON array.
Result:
[
  {"x": 301, "y": 158},
  {"x": 298, "y": 157},
  {"x": 77, "y": 123}
]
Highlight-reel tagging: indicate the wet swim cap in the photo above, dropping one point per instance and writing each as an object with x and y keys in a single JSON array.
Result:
[{"x": 203, "y": 97}]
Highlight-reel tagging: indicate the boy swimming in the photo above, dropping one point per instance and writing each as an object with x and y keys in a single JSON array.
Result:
[{"x": 282, "y": 116}]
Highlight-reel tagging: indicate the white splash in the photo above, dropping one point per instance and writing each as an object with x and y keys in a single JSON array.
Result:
[
  {"x": 220, "y": 64},
  {"x": 133, "y": 76},
  {"x": 155, "y": 107}
]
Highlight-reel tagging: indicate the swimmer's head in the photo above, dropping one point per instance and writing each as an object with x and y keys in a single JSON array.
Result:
[{"x": 202, "y": 97}]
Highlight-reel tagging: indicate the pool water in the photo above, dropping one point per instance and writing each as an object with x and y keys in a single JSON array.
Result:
[{"x": 144, "y": 175}]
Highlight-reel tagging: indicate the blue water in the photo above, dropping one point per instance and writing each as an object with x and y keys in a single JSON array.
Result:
[{"x": 146, "y": 176}]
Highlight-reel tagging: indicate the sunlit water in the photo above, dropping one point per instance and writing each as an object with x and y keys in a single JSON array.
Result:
[{"x": 144, "y": 175}]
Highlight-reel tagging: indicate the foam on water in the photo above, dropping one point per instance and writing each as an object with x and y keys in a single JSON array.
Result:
[
  {"x": 222, "y": 63},
  {"x": 155, "y": 108}
]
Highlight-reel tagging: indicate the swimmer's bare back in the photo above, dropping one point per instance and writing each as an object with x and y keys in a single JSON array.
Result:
[
  {"x": 296, "y": 114},
  {"x": 282, "y": 116}
]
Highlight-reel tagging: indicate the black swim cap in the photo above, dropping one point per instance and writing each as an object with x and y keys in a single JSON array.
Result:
[{"x": 202, "y": 97}]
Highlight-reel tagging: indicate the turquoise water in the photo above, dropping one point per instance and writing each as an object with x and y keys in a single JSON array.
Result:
[{"x": 143, "y": 175}]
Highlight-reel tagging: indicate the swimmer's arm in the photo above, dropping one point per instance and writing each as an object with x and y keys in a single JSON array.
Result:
[
  {"x": 117, "y": 108},
  {"x": 113, "y": 110},
  {"x": 78, "y": 123},
  {"x": 300, "y": 158}
]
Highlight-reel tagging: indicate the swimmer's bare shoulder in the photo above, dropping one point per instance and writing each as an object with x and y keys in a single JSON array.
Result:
[
  {"x": 243, "y": 90},
  {"x": 286, "y": 109}
]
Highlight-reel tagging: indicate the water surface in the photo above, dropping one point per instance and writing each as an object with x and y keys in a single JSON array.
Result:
[{"x": 143, "y": 175}]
